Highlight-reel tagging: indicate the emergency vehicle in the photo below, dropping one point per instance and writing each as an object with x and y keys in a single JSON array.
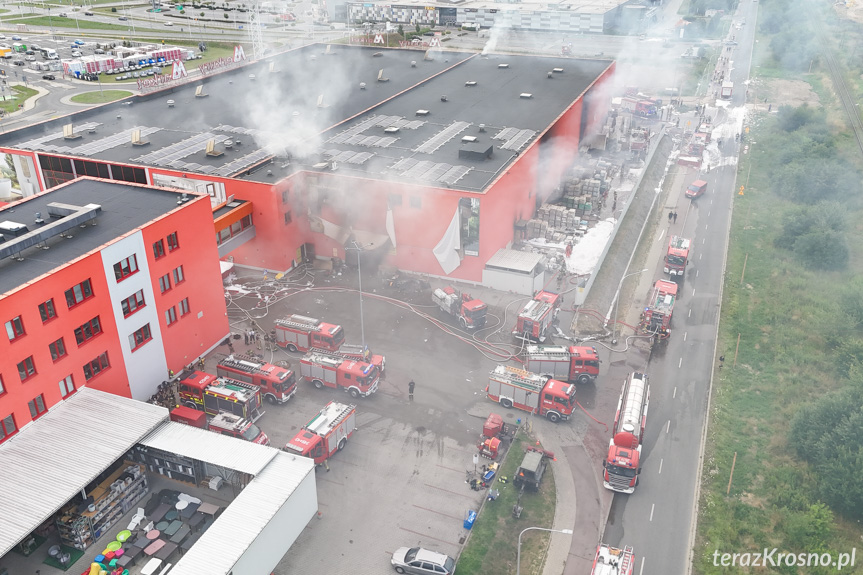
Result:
[
  {"x": 212, "y": 394},
  {"x": 656, "y": 317},
  {"x": 326, "y": 433},
  {"x": 623, "y": 461},
  {"x": 239, "y": 427},
  {"x": 576, "y": 363},
  {"x": 613, "y": 561},
  {"x": 358, "y": 378},
  {"x": 360, "y": 353},
  {"x": 300, "y": 333},
  {"x": 513, "y": 387},
  {"x": 535, "y": 319},
  {"x": 677, "y": 256},
  {"x": 277, "y": 384}
]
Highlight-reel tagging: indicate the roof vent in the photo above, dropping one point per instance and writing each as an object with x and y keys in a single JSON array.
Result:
[
  {"x": 470, "y": 83},
  {"x": 69, "y": 133},
  {"x": 443, "y": 98},
  {"x": 550, "y": 75},
  {"x": 313, "y": 57},
  {"x": 422, "y": 112},
  {"x": 381, "y": 77},
  {"x": 39, "y": 219},
  {"x": 391, "y": 130},
  {"x": 503, "y": 65},
  {"x": 413, "y": 63},
  {"x": 199, "y": 92},
  {"x": 557, "y": 70},
  {"x": 170, "y": 103},
  {"x": 321, "y": 102},
  {"x": 525, "y": 96},
  {"x": 251, "y": 76},
  {"x": 482, "y": 127},
  {"x": 362, "y": 85},
  {"x": 469, "y": 139},
  {"x": 377, "y": 54}
]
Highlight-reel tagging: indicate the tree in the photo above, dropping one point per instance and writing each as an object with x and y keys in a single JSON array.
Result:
[
  {"x": 202, "y": 14},
  {"x": 418, "y": 27},
  {"x": 822, "y": 250},
  {"x": 401, "y": 30},
  {"x": 226, "y": 15}
]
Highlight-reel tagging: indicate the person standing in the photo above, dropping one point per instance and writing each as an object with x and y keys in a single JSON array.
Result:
[
  {"x": 675, "y": 217},
  {"x": 246, "y": 337},
  {"x": 411, "y": 386}
]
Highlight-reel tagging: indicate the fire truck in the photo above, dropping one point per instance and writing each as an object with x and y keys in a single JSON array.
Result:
[
  {"x": 677, "y": 256},
  {"x": 233, "y": 425},
  {"x": 326, "y": 433},
  {"x": 211, "y": 394},
  {"x": 643, "y": 108},
  {"x": 613, "y": 561},
  {"x": 358, "y": 378},
  {"x": 538, "y": 394},
  {"x": 576, "y": 363},
  {"x": 622, "y": 465},
  {"x": 469, "y": 312},
  {"x": 277, "y": 384},
  {"x": 657, "y": 316},
  {"x": 360, "y": 353},
  {"x": 535, "y": 319},
  {"x": 300, "y": 333},
  {"x": 726, "y": 90}
]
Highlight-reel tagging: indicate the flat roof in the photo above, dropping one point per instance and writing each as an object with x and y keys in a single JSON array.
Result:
[
  {"x": 125, "y": 208},
  {"x": 37, "y": 476},
  {"x": 311, "y": 109},
  {"x": 523, "y": 262}
]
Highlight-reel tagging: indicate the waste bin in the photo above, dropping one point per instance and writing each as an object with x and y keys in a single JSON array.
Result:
[{"x": 469, "y": 518}]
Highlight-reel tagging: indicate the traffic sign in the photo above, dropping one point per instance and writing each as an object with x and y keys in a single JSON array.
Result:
[{"x": 740, "y": 193}]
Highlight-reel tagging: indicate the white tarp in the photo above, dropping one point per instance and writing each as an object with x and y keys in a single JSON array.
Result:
[
  {"x": 446, "y": 249},
  {"x": 391, "y": 226}
]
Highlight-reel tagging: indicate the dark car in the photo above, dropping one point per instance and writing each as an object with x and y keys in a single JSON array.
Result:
[
  {"x": 19, "y": 62},
  {"x": 123, "y": 18},
  {"x": 48, "y": 76},
  {"x": 30, "y": 53},
  {"x": 88, "y": 13}
]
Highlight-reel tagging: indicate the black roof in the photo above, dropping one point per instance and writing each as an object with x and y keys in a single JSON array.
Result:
[
  {"x": 124, "y": 208},
  {"x": 310, "y": 108}
]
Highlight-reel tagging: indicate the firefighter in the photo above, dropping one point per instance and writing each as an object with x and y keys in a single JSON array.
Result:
[{"x": 411, "y": 386}]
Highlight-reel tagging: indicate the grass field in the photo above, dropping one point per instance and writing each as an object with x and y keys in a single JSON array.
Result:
[
  {"x": 21, "y": 94},
  {"x": 56, "y": 22},
  {"x": 492, "y": 547},
  {"x": 98, "y": 97}
]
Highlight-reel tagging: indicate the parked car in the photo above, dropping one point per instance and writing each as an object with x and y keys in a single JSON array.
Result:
[
  {"x": 30, "y": 58},
  {"x": 76, "y": 54},
  {"x": 16, "y": 38},
  {"x": 79, "y": 42},
  {"x": 31, "y": 52},
  {"x": 47, "y": 76},
  {"x": 88, "y": 13},
  {"x": 123, "y": 18},
  {"x": 169, "y": 23},
  {"x": 19, "y": 62},
  {"x": 99, "y": 51},
  {"x": 421, "y": 561},
  {"x": 63, "y": 15}
]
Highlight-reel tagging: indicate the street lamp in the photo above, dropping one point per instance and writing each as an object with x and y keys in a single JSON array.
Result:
[
  {"x": 617, "y": 302},
  {"x": 518, "y": 552},
  {"x": 360, "y": 250}
]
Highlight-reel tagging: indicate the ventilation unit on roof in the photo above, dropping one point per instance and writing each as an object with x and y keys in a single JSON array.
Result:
[
  {"x": 428, "y": 55},
  {"x": 199, "y": 92},
  {"x": 422, "y": 112},
  {"x": 170, "y": 103},
  {"x": 211, "y": 149},
  {"x": 557, "y": 70},
  {"x": 503, "y": 65},
  {"x": 470, "y": 83},
  {"x": 137, "y": 140},
  {"x": 69, "y": 133},
  {"x": 391, "y": 130},
  {"x": 482, "y": 127},
  {"x": 251, "y": 77},
  {"x": 413, "y": 63},
  {"x": 321, "y": 102},
  {"x": 377, "y": 54},
  {"x": 381, "y": 77},
  {"x": 273, "y": 67},
  {"x": 525, "y": 96},
  {"x": 39, "y": 219},
  {"x": 550, "y": 75},
  {"x": 443, "y": 98},
  {"x": 362, "y": 85},
  {"x": 313, "y": 57},
  {"x": 469, "y": 139}
]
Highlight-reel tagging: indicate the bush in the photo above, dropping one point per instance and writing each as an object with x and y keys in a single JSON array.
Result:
[{"x": 113, "y": 8}]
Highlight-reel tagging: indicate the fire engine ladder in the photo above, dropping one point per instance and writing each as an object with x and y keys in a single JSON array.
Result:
[
  {"x": 299, "y": 321},
  {"x": 524, "y": 378},
  {"x": 241, "y": 363},
  {"x": 330, "y": 353},
  {"x": 626, "y": 562},
  {"x": 345, "y": 412}
]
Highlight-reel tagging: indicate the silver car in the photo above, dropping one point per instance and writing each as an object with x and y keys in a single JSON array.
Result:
[{"x": 421, "y": 561}]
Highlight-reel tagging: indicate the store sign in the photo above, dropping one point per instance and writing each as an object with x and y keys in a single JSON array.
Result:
[
  {"x": 379, "y": 39},
  {"x": 155, "y": 81},
  {"x": 223, "y": 63},
  {"x": 178, "y": 71}
]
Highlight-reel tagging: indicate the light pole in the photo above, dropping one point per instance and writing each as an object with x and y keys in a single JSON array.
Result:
[
  {"x": 360, "y": 250},
  {"x": 518, "y": 552},
  {"x": 617, "y": 302}
]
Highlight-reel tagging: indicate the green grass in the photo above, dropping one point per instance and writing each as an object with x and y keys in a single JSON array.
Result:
[
  {"x": 84, "y": 25},
  {"x": 492, "y": 547},
  {"x": 21, "y": 94},
  {"x": 100, "y": 97}
]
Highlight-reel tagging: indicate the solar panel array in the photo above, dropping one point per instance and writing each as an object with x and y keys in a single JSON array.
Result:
[
  {"x": 515, "y": 138},
  {"x": 398, "y": 122},
  {"x": 169, "y": 155},
  {"x": 430, "y": 171},
  {"x": 39, "y": 143},
  {"x": 431, "y": 145},
  {"x": 349, "y": 156},
  {"x": 370, "y": 141},
  {"x": 112, "y": 141},
  {"x": 354, "y": 130}
]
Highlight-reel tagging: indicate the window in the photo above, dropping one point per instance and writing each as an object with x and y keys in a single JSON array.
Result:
[
  {"x": 165, "y": 283},
  {"x": 37, "y": 406},
  {"x": 47, "y": 311},
  {"x": 170, "y": 315},
  {"x": 81, "y": 292},
  {"x": 286, "y": 196},
  {"x": 287, "y": 218},
  {"x": 96, "y": 366},
  {"x": 14, "y": 328},
  {"x": 58, "y": 349},
  {"x": 67, "y": 387},
  {"x": 173, "y": 242},
  {"x": 88, "y": 331},
  {"x": 2, "y": 388},
  {"x": 27, "y": 369},
  {"x": 184, "y": 307},
  {"x": 236, "y": 227},
  {"x": 394, "y": 200},
  {"x": 247, "y": 221},
  {"x": 178, "y": 275},
  {"x": 158, "y": 249},
  {"x": 7, "y": 427},
  {"x": 140, "y": 337},
  {"x": 416, "y": 202},
  {"x": 125, "y": 268},
  {"x": 132, "y": 303}
]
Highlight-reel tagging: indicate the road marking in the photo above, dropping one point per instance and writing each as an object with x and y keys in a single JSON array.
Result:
[
  {"x": 684, "y": 336},
  {"x": 696, "y": 273},
  {"x": 693, "y": 292},
  {"x": 705, "y": 225},
  {"x": 668, "y": 426},
  {"x": 708, "y": 213},
  {"x": 652, "y": 505},
  {"x": 641, "y": 570},
  {"x": 674, "y": 395},
  {"x": 661, "y": 234},
  {"x": 690, "y": 312},
  {"x": 660, "y": 467},
  {"x": 699, "y": 256},
  {"x": 702, "y": 241},
  {"x": 679, "y": 363}
]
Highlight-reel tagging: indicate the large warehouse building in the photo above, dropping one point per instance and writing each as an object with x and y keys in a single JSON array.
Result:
[{"x": 428, "y": 158}]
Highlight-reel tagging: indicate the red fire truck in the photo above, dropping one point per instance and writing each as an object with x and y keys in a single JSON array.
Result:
[
  {"x": 358, "y": 378},
  {"x": 535, "y": 319},
  {"x": 300, "y": 333},
  {"x": 677, "y": 256},
  {"x": 643, "y": 108},
  {"x": 277, "y": 384},
  {"x": 235, "y": 426},
  {"x": 326, "y": 433},
  {"x": 622, "y": 465},
  {"x": 469, "y": 312},
  {"x": 212, "y": 394},
  {"x": 613, "y": 561},
  {"x": 576, "y": 363},
  {"x": 360, "y": 353},
  {"x": 657, "y": 316},
  {"x": 513, "y": 387}
]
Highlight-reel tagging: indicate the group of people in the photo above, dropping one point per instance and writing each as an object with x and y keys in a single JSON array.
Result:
[
  {"x": 672, "y": 216},
  {"x": 250, "y": 336}
]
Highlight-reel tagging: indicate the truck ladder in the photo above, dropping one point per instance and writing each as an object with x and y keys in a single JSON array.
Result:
[
  {"x": 626, "y": 562},
  {"x": 333, "y": 354},
  {"x": 244, "y": 363},
  {"x": 299, "y": 321},
  {"x": 520, "y": 377}
]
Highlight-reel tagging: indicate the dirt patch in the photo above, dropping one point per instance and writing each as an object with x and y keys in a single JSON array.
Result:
[{"x": 792, "y": 93}]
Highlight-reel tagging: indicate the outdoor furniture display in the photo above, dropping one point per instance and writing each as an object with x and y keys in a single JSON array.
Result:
[
  {"x": 125, "y": 561},
  {"x": 173, "y": 527},
  {"x": 151, "y": 567},
  {"x": 162, "y": 525},
  {"x": 165, "y": 552},
  {"x": 181, "y": 504},
  {"x": 209, "y": 509},
  {"x": 153, "y": 534},
  {"x": 154, "y": 546},
  {"x": 180, "y": 534},
  {"x": 159, "y": 513},
  {"x": 187, "y": 544},
  {"x": 196, "y": 520},
  {"x": 190, "y": 510},
  {"x": 172, "y": 515},
  {"x": 123, "y": 536},
  {"x": 141, "y": 542}
]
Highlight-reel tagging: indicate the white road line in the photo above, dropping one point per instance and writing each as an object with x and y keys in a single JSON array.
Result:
[
  {"x": 679, "y": 363},
  {"x": 690, "y": 312},
  {"x": 705, "y": 226},
  {"x": 696, "y": 273},
  {"x": 652, "y": 505},
  {"x": 684, "y": 336},
  {"x": 702, "y": 241},
  {"x": 708, "y": 213},
  {"x": 668, "y": 426},
  {"x": 641, "y": 570},
  {"x": 674, "y": 395},
  {"x": 661, "y": 235},
  {"x": 693, "y": 292},
  {"x": 700, "y": 256},
  {"x": 660, "y": 467}
]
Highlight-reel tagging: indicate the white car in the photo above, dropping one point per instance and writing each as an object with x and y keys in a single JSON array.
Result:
[
  {"x": 169, "y": 23},
  {"x": 76, "y": 54}
]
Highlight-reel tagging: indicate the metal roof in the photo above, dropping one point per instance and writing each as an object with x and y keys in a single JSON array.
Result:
[
  {"x": 45, "y": 464},
  {"x": 210, "y": 447},
  {"x": 219, "y": 549},
  {"x": 514, "y": 260}
]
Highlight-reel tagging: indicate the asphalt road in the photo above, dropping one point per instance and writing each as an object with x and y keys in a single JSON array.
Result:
[{"x": 658, "y": 518}]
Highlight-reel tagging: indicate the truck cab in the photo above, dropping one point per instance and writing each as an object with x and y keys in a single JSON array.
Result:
[
  {"x": 696, "y": 189},
  {"x": 360, "y": 353}
]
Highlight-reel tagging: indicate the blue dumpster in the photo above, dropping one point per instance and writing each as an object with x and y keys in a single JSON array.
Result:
[{"x": 469, "y": 518}]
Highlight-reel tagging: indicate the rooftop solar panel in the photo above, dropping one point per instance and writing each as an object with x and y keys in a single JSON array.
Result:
[
  {"x": 517, "y": 141},
  {"x": 432, "y": 144},
  {"x": 404, "y": 164},
  {"x": 454, "y": 174}
]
